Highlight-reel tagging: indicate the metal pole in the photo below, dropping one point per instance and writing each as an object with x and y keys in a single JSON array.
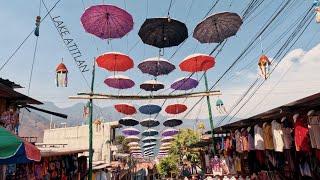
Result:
[
  {"x": 90, "y": 123},
  {"x": 210, "y": 112}
]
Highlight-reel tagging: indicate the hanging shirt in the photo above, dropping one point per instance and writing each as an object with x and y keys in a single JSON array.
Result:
[
  {"x": 314, "y": 131},
  {"x": 250, "y": 142},
  {"x": 287, "y": 138},
  {"x": 237, "y": 164},
  {"x": 301, "y": 137},
  {"x": 244, "y": 139},
  {"x": 258, "y": 138},
  {"x": 267, "y": 136},
  {"x": 239, "y": 146},
  {"x": 277, "y": 136}
]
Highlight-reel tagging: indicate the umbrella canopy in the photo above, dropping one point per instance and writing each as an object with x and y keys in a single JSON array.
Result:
[
  {"x": 125, "y": 108},
  {"x": 219, "y": 102},
  {"x": 152, "y": 85},
  {"x": 149, "y": 122},
  {"x": 134, "y": 148},
  {"x": 163, "y": 151},
  {"x": 163, "y": 32},
  {"x": 150, "y": 132},
  {"x": 130, "y": 131},
  {"x": 14, "y": 150},
  {"x": 114, "y": 61},
  {"x": 150, "y": 109},
  {"x": 149, "y": 148},
  {"x": 167, "y": 139},
  {"x": 197, "y": 62},
  {"x": 164, "y": 148},
  {"x": 156, "y": 66},
  {"x": 149, "y": 139},
  {"x": 146, "y": 145},
  {"x": 107, "y": 21},
  {"x": 166, "y": 144},
  {"x": 119, "y": 82},
  {"x": 185, "y": 83},
  {"x": 217, "y": 27},
  {"x": 128, "y": 121},
  {"x": 137, "y": 152},
  {"x": 132, "y": 139},
  {"x": 170, "y": 132},
  {"x": 172, "y": 122},
  {"x": 176, "y": 108},
  {"x": 133, "y": 144}
]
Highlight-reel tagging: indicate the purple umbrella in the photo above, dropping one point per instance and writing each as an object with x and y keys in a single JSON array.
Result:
[
  {"x": 172, "y": 122},
  {"x": 156, "y": 66},
  {"x": 152, "y": 85},
  {"x": 107, "y": 21},
  {"x": 185, "y": 83},
  {"x": 119, "y": 82},
  {"x": 170, "y": 132},
  {"x": 130, "y": 131}
]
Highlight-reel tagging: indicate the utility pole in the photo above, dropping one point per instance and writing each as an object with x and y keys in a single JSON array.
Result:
[{"x": 210, "y": 112}]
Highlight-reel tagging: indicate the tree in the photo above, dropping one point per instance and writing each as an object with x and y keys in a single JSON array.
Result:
[
  {"x": 120, "y": 140},
  {"x": 168, "y": 166}
]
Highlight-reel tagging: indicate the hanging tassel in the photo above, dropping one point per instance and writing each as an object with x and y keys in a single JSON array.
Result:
[{"x": 36, "y": 31}]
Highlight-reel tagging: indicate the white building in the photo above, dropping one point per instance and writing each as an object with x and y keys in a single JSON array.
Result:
[{"x": 78, "y": 138}]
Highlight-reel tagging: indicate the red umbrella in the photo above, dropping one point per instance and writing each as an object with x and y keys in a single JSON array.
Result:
[
  {"x": 176, "y": 108},
  {"x": 125, "y": 108},
  {"x": 115, "y": 61},
  {"x": 197, "y": 62}
]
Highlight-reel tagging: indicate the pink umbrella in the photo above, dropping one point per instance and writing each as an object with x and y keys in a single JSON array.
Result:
[
  {"x": 119, "y": 82},
  {"x": 107, "y": 21}
]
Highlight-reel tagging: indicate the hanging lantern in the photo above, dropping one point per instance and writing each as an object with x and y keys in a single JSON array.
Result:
[
  {"x": 264, "y": 65},
  {"x": 220, "y": 107},
  {"x": 61, "y": 75},
  {"x": 317, "y": 10},
  {"x": 36, "y": 31}
]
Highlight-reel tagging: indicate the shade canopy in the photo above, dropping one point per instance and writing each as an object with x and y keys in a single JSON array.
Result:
[
  {"x": 132, "y": 139},
  {"x": 115, "y": 61},
  {"x": 125, "y": 108},
  {"x": 163, "y": 32},
  {"x": 167, "y": 139},
  {"x": 146, "y": 145},
  {"x": 133, "y": 144},
  {"x": 149, "y": 148},
  {"x": 150, "y": 132},
  {"x": 107, "y": 21},
  {"x": 172, "y": 122},
  {"x": 170, "y": 132},
  {"x": 130, "y": 131},
  {"x": 14, "y": 150},
  {"x": 176, "y": 108},
  {"x": 185, "y": 83},
  {"x": 149, "y": 122},
  {"x": 150, "y": 109},
  {"x": 128, "y": 121},
  {"x": 119, "y": 82},
  {"x": 217, "y": 27},
  {"x": 134, "y": 148},
  {"x": 197, "y": 62},
  {"x": 149, "y": 139},
  {"x": 164, "y": 148},
  {"x": 152, "y": 85},
  {"x": 156, "y": 66},
  {"x": 166, "y": 144}
]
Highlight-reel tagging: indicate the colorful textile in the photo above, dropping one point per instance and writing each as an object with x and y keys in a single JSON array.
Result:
[
  {"x": 267, "y": 136},
  {"x": 301, "y": 137},
  {"x": 287, "y": 138},
  {"x": 314, "y": 131},
  {"x": 244, "y": 140},
  {"x": 277, "y": 135},
  {"x": 258, "y": 138},
  {"x": 239, "y": 146}
]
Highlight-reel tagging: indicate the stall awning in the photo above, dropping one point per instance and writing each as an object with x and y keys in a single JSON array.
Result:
[
  {"x": 46, "y": 152},
  {"x": 14, "y": 150}
]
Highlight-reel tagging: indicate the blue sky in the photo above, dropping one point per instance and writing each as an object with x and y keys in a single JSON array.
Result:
[{"x": 17, "y": 20}]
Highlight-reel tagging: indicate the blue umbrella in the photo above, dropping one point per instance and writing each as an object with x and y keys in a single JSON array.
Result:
[{"x": 150, "y": 109}]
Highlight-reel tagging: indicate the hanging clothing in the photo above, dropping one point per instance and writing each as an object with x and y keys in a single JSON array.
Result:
[
  {"x": 250, "y": 143},
  {"x": 301, "y": 137},
  {"x": 267, "y": 136},
  {"x": 237, "y": 164},
  {"x": 258, "y": 138},
  {"x": 244, "y": 139},
  {"x": 277, "y": 135},
  {"x": 287, "y": 138},
  {"x": 314, "y": 131},
  {"x": 230, "y": 163},
  {"x": 228, "y": 144},
  {"x": 216, "y": 166},
  {"x": 239, "y": 146},
  {"x": 224, "y": 166}
]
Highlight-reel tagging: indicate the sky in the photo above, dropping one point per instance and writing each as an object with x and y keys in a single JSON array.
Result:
[{"x": 295, "y": 77}]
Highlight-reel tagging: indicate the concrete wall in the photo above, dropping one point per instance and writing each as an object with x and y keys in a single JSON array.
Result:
[{"x": 78, "y": 138}]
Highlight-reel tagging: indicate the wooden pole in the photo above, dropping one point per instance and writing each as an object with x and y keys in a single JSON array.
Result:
[
  {"x": 210, "y": 112},
  {"x": 90, "y": 123}
]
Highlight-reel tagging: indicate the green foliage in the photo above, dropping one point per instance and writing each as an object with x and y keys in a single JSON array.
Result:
[
  {"x": 120, "y": 140},
  {"x": 179, "y": 149},
  {"x": 168, "y": 166}
]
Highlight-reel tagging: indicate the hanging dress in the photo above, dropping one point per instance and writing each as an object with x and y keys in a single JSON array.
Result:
[
  {"x": 258, "y": 138},
  {"x": 239, "y": 146},
  {"x": 267, "y": 136},
  {"x": 301, "y": 136},
  {"x": 314, "y": 131},
  {"x": 277, "y": 135}
]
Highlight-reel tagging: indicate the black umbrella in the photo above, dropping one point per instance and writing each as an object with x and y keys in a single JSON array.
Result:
[
  {"x": 172, "y": 122},
  {"x": 163, "y": 32},
  {"x": 152, "y": 85},
  {"x": 128, "y": 121},
  {"x": 217, "y": 27}
]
